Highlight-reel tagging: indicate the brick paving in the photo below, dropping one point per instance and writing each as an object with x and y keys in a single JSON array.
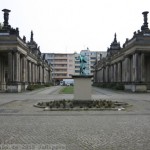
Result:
[{"x": 27, "y": 126}]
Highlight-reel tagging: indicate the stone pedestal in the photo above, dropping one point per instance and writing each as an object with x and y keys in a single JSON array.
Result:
[{"x": 82, "y": 87}]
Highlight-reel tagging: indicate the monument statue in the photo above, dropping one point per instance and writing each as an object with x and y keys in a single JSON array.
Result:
[{"x": 82, "y": 65}]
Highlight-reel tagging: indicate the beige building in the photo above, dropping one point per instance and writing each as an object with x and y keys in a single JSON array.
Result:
[
  {"x": 62, "y": 65},
  {"x": 129, "y": 65},
  {"x": 21, "y": 62}
]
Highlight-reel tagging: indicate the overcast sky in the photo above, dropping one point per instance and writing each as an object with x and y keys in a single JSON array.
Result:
[{"x": 72, "y": 25}]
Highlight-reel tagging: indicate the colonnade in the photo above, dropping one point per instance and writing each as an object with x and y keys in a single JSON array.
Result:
[
  {"x": 23, "y": 69},
  {"x": 129, "y": 69}
]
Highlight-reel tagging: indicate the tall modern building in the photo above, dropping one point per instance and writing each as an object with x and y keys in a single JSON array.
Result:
[{"x": 92, "y": 57}]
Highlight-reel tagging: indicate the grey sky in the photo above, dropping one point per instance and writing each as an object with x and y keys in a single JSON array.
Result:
[{"x": 72, "y": 25}]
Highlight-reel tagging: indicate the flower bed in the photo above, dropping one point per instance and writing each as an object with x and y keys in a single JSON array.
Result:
[{"x": 81, "y": 105}]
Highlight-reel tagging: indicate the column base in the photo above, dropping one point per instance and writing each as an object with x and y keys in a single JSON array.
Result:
[
  {"x": 14, "y": 87},
  {"x": 3, "y": 86},
  {"x": 24, "y": 86},
  {"x": 136, "y": 87}
]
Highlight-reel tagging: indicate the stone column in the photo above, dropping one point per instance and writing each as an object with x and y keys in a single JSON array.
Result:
[
  {"x": 10, "y": 67},
  {"x": 128, "y": 72},
  {"x": 115, "y": 73},
  {"x": 119, "y": 72},
  {"x": 3, "y": 83},
  {"x": 109, "y": 73},
  {"x": 17, "y": 67},
  {"x": 24, "y": 68},
  {"x": 41, "y": 74},
  {"x": 35, "y": 73},
  {"x": 112, "y": 73},
  {"x": 38, "y": 77},
  {"x": 124, "y": 70},
  {"x": 0, "y": 72},
  {"x": 29, "y": 71},
  {"x": 135, "y": 67},
  {"x": 142, "y": 67},
  {"x": 104, "y": 74},
  {"x": 100, "y": 75},
  {"x": 106, "y": 78},
  {"x": 21, "y": 68}
]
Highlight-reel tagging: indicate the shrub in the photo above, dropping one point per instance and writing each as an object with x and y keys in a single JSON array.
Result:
[
  {"x": 71, "y": 105},
  {"x": 30, "y": 87},
  {"x": 57, "y": 104},
  {"x": 119, "y": 86},
  {"x": 48, "y": 84},
  {"x": 116, "y": 86},
  {"x": 37, "y": 86},
  {"x": 47, "y": 103}
]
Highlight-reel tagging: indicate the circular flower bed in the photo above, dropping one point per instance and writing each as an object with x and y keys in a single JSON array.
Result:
[{"x": 81, "y": 105}]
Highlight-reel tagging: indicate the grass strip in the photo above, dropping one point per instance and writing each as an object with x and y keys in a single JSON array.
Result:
[{"x": 67, "y": 90}]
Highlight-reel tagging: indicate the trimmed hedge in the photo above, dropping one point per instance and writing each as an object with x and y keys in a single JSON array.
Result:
[
  {"x": 32, "y": 87},
  {"x": 116, "y": 86}
]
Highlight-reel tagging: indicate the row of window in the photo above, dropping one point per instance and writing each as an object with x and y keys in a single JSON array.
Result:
[
  {"x": 58, "y": 75},
  {"x": 59, "y": 65},
  {"x": 60, "y": 70}
]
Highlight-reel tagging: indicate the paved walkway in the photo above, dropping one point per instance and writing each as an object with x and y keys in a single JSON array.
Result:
[{"x": 27, "y": 127}]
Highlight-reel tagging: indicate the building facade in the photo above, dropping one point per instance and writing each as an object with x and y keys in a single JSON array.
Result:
[
  {"x": 129, "y": 65},
  {"x": 62, "y": 65},
  {"x": 21, "y": 62},
  {"x": 92, "y": 57}
]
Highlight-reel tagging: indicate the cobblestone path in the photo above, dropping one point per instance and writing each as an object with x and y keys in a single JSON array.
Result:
[{"x": 21, "y": 124}]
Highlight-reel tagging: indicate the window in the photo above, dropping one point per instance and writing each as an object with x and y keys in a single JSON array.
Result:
[
  {"x": 77, "y": 62},
  {"x": 77, "y": 66},
  {"x": 93, "y": 57}
]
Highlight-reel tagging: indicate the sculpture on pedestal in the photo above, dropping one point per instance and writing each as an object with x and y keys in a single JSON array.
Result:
[{"x": 82, "y": 65}]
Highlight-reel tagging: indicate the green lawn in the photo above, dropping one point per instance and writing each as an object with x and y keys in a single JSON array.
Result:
[{"x": 67, "y": 90}]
